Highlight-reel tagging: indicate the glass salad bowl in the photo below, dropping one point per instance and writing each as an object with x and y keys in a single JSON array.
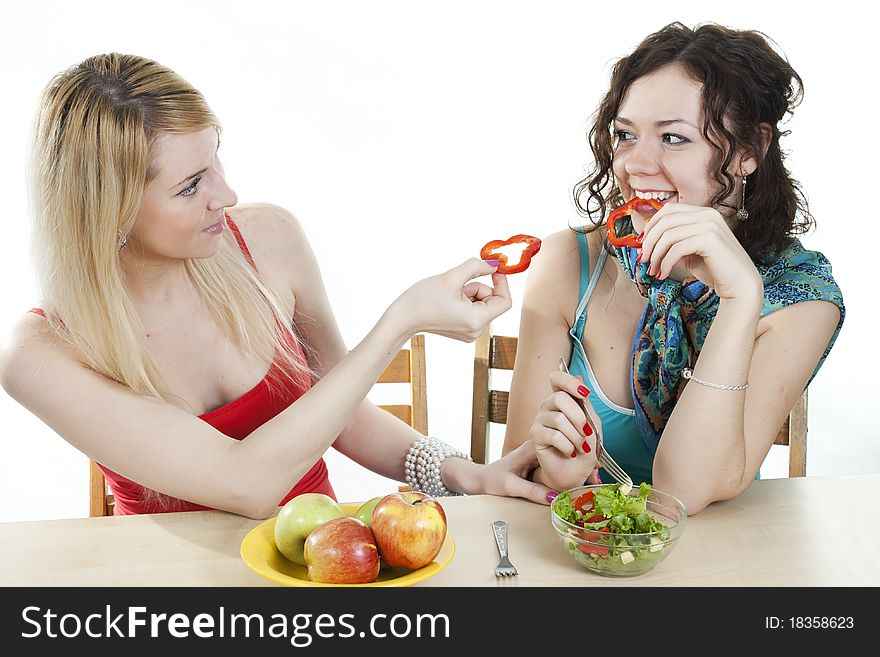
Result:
[{"x": 615, "y": 531}]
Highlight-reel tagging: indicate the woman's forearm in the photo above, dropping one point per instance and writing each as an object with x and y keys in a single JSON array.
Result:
[
  {"x": 378, "y": 441},
  {"x": 702, "y": 455},
  {"x": 280, "y": 452}
]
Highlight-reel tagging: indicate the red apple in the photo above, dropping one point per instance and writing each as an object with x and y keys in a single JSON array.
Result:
[
  {"x": 409, "y": 528},
  {"x": 342, "y": 551}
]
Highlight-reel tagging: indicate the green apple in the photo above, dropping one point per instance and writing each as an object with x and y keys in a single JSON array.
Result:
[
  {"x": 298, "y": 518},
  {"x": 365, "y": 512}
]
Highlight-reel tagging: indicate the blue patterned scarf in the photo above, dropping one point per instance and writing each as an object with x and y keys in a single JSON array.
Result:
[{"x": 675, "y": 323}]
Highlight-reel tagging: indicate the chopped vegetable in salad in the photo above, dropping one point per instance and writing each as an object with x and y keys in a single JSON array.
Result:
[{"x": 617, "y": 526}]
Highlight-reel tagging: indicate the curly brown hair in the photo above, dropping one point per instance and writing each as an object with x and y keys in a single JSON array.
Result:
[{"x": 745, "y": 83}]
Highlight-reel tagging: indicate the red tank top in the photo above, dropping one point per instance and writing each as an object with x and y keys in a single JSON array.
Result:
[{"x": 237, "y": 419}]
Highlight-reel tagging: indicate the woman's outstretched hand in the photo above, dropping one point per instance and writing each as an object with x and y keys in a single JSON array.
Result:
[
  {"x": 452, "y": 304},
  {"x": 508, "y": 476}
]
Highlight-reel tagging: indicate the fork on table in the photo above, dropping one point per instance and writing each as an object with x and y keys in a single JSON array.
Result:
[
  {"x": 504, "y": 567},
  {"x": 604, "y": 458}
]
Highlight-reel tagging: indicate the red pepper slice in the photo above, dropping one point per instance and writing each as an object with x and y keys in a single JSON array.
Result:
[
  {"x": 587, "y": 548},
  {"x": 592, "y": 534},
  {"x": 531, "y": 245},
  {"x": 584, "y": 500},
  {"x": 593, "y": 537},
  {"x": 623, "y": 210}
]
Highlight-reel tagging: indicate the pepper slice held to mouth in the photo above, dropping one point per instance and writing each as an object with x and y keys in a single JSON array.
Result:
[{"x": 630, "y": 240}]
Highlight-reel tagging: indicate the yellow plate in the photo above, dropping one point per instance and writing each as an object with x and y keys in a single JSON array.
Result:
[{"x": 260, "y": 554}]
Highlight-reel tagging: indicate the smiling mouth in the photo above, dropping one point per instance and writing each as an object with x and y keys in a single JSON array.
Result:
[
  {"x": 646, "y": 209},
  {"x": 655, "y": 195}
]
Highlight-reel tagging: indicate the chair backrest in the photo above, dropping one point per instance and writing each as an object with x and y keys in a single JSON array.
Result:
[
  {"x": 794, "y": 434},
  {"x": 492, "y": 352},
  {"x": 408, "y": 366},
  {"x": 499, "y": 352},
  {"x": 101, "y": 502}
]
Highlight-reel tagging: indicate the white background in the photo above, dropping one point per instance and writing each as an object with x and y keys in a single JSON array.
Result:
[{"x": 407, "y": 134}]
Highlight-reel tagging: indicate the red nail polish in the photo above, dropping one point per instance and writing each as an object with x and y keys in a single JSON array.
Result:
[
  {"x": 574, "y": 454},
  {"x": 586, "y": 447},
  {"x": 641, "y": 236},
  {"x": 583, "y": 391},
  {"x": 639, "y": 259},
  {"x": 588, "y": 430}
]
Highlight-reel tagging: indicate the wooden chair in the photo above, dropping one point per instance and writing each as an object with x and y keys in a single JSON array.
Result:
[
  {"x": 408, "y": 366},
  {"x": 499, "y": 352},
  {"x": 101, "y": 502},
  {"x": 493, "y": 352},
  {"x": 794, "y": 434}
]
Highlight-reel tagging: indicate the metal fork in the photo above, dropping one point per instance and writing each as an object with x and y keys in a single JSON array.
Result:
[
  {"x": 504, "y": 567},
  {"x": 604, "y": 458}
]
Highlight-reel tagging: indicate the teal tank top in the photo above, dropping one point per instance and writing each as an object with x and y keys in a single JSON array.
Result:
[{"x": 620, "y": 432}]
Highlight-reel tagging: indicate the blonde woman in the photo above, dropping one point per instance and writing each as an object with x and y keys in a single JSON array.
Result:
[{"x": 187, "y": 345}]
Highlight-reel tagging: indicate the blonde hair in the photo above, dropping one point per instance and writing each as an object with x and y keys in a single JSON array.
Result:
[{"x": 97, "y": 124}]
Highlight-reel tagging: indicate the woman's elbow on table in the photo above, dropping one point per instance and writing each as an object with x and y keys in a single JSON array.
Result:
[
  {"x": 260, "y": 512},
  {"x": 252, "y": 505},
  {"x": 696, "y": 500},
  {"x": 246, "y": 496}
]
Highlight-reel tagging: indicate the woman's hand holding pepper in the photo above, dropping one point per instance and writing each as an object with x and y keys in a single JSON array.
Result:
[
  {"x": 452, "y": 304},
  {"x": 563, "y": 440},
  {"x": 691, "y": 241}
]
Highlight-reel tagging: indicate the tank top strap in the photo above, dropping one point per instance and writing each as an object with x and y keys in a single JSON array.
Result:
[
  {"x": 585, "y": 263},
  {"x": 587, "y": 284},
  {"x": 241, "y": 243}
]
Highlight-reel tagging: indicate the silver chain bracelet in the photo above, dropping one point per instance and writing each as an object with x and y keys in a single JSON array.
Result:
[
  {"x": 688, "y": 373},
  {"x": 422, "y": 466}
]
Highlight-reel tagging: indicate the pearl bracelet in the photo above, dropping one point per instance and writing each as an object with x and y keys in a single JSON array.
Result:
[{"x": 423, "y": 462}]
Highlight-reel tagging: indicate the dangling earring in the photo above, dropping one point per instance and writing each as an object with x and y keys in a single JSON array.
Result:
[
  {"x": 123, "y": 243},
  {"x": 742, "y": 214}
]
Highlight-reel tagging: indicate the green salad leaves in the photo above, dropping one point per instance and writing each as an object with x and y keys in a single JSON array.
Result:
[
  {"x": 563, "y": 508},
  {"x": 628, "y": 514},
  {"x": 613, "y": 529},
  {"x": 622, "y": 513}
]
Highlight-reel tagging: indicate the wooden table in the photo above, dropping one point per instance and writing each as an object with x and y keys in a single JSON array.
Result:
[{"x": 812, "y": 531}]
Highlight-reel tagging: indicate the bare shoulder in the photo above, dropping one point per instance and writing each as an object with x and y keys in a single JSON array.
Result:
[
  {"x": 32, "y": 344},
  {"x": 555, "y": 270},
  {"x": 268, "y": 230},
  {"x": 559, "y": 252},
  {"x": 560, "y": 242},
  {"x": 277, "y": 244},
  {"x": 562, "y": 253}
]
